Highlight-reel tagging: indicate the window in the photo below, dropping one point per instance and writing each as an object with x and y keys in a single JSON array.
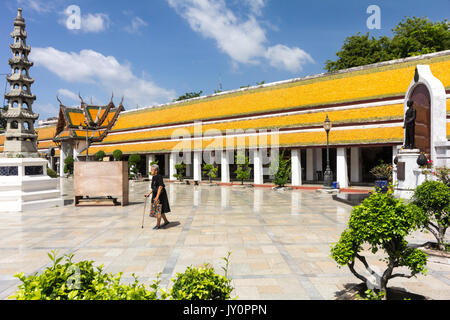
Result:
[
  {"x": 14, "y": 125},
  {"x": 25, "y": 88},
  {"x": 25, "y": 105},
  {"x": 26, "y": 126}
]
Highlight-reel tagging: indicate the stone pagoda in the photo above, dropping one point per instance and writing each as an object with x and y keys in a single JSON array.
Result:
[
  {"x": 21, "y": 139},
  {"x": 24, "y": 183}
]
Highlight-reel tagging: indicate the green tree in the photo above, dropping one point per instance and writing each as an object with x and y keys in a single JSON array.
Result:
[
  {"x": 381, "y": 222},
  {"x": 3, "y": 121},
  {"x": 243, "y": 169},
  {"x": 100, "y": 155},
  {"x": 189, "y": 95},
  {"x": 117, "y": 155},
  {"x": 134, "y": 162},
  {"x": 181, "y": 169},
  {"x": 412, "y": 36},
  {"x": 210, "y": 170},
  {"x": 281, "y": 169},
  {"x": 432, "y": 199},
  {"x": 68, "y": 165}
]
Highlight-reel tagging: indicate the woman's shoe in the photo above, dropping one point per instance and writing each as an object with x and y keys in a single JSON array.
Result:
[
  {"x": 166, "y": 224},
  {"x": 156, "y": 228}
]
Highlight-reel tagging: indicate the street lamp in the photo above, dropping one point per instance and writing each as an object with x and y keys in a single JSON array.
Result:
[{"x": 328, "y": 176}]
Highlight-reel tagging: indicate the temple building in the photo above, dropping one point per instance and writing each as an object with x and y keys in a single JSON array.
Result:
[{"x": 366, "y": 106}]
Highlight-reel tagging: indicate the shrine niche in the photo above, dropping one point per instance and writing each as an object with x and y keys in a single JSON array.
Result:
[{"x": 422, "y": 105}]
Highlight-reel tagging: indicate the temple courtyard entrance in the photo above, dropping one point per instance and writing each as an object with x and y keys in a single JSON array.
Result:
[{"x": 280, "y": 241}]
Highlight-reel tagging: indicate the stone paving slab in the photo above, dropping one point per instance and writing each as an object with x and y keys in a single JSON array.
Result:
[{"x": 280, "y": 241}]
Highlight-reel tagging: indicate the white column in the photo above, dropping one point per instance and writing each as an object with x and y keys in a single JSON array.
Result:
[
  {"x": 150, "y": 159},
  {"x": 258, "y": 167},
  {"x": 296, "y": 163},
  {"x": 225, "y": 167},
  {"x": 198, "y": 166},
  {"x": 355, "y": 165},
  {"x": 172, "y": 169},
  {"x": 394, "y": 154},
  {"x": 167, "y": 165},
  {"x": 62, "y": 156},
  {"x": 341, "y": 163},
  {"x": 309, "y": 164}
]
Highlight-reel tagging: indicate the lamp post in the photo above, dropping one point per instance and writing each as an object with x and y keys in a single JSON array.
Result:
[{"x": 328, "y": 175}]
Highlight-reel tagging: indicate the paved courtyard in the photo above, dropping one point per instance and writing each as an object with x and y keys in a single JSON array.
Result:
[{"x": 280, "y": 241}]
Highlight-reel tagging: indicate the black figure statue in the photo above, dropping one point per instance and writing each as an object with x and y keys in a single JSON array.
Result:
[{"x": 410, "y": 126}]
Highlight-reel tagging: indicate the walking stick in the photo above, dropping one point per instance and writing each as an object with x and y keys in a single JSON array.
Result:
[{"x": 143, "y": 215}]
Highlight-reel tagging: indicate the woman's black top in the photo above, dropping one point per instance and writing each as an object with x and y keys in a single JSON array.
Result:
[{"x": 157, "y": 181}]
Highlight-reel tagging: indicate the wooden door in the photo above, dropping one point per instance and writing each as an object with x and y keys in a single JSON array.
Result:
[{"x": 422, "y": 105}]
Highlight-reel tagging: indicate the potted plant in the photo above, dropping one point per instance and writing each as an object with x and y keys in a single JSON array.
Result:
[
  {"x": 117, "y": 155},
  {"x": 211, "y": 171},
  {"x": 383, "y": 173}
]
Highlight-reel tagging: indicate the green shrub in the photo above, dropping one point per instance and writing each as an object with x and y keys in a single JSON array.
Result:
[
  {"x": 432, "y": 200},
  {"x": 134, "y": 161},
  {"x": 281, "y": 169},
  {"x": 181, "y": 169},
  {"x": 117, "y": 155},
  {"x": 68, "y": 165},
  {"x": 210, "y": 170},
  {"x": 80, "y": 281},
  {"x": 243, "y": 169},
  {"x": 100, "y": 155},
  {"x": 201, "y": 284},
  {"x": 382, "y": 222},
  {"x": 51, "y": 173}
]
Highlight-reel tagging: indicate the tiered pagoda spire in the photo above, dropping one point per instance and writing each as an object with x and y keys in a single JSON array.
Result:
[{"x": 21, "y": 137}]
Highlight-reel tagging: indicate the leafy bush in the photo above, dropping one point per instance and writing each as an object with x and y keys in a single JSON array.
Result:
[
  {"x": 201, "y": 284},
  {"x": 80, "y": 281},
  {"x": 100, "y": 155},
  {"x": 68, "y": 165},
  {"x": 210, "y": 170},
  {"x": 181, "y": 169},
  {"x": 243, "y": 169},
  {"x": 432, "y": 200},
  {"x": 382, "y": 222},
  {"x": 134, "y": 161},
  {"x": 83, "y": 281},
  {"x": 51, "y": 173},
  {"x": 382, "y": 171},
  {"x": 282, "y": 172},
  {"x": 117, "y": 155},
  {"x": 443, "y": 175}
]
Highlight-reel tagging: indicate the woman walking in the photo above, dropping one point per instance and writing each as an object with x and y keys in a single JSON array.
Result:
[{"x": 159, "y": 195}]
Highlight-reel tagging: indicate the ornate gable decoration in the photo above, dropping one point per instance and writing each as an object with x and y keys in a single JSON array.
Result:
[{"x": 73, "y": 123}]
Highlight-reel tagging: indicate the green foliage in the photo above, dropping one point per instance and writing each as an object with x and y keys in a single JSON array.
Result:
[
  {"x": 283, "y": 170},
  {"x": 134, "y": 161},
  {"x": 201, "y": 284},
  {"x": 372, "y": 295},
  {"x": 68, "y": 165},
  {"x": 210, "y": 170},
  {"x": 443, "y": 175},
  {"x": 432, "y": 201},
  {"x": 412, "y": 36},
  {"x": 80, "y": 281},
  {"x": 382, "y": 171},
  {"x": 100, "y": 155},
  {"x": 117, "y": 155},
  {"x": 189, "y": 95},
  {"x": 382, "y": 222},
  {"x": 3, "y": 121},
  {"x": 181, "y": 169},
  {"x": 51, "y": 173},
  {"x": 243, "y": 169}
]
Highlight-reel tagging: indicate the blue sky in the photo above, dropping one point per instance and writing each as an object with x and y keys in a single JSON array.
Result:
[{"x": 154, "y": 51}]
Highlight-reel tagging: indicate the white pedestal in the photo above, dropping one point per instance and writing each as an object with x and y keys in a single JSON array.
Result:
[
  {"x": 21, "y": 190},
  {"x": 413, "y": 174}
]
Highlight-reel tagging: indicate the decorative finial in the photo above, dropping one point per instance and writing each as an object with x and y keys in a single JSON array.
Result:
[
  {"x": 82, "y": 101},
  {"x": 57, "y": 98}
]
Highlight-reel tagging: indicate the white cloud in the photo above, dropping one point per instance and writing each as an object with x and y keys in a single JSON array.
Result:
[
  {"x": 36, "y": 5},
  {"x": 136, "y": 25},
  {"x": 68, "y": 94},
  {"x": 94, "y": 22},
  {"x": 291, "y": 59},
  {"x": 243, "y": 41},
  {"x": 105, "y": 72}
]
